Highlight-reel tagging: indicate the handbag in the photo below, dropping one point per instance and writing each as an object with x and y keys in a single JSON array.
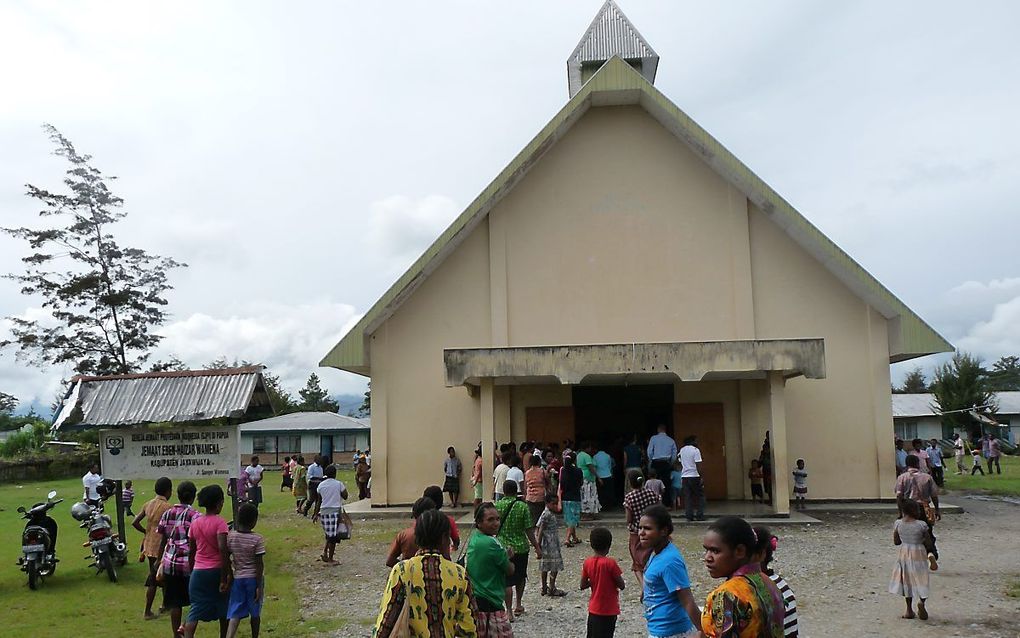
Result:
[
  {"x": 344, "y": 526},
  {"x": 402, "y": 627}
]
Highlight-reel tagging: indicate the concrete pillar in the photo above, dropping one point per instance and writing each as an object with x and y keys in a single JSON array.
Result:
[
  {"x": 487, "y": 435},
  {"x": 777, "y": 429}
]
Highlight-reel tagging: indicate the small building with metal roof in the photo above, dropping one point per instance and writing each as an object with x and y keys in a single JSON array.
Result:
[
  {"x": 307, "y": 434},
  {"x": 187, "y": 396},
  {"x": 626, "y": 270},
  {"x": 916, "y": 417}
]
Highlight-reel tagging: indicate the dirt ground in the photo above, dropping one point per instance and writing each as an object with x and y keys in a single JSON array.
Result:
[{"x": 839, "y": 570}]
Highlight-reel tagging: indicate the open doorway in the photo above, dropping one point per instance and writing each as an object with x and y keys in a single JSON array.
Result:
[{"x": 607, "y": 413}]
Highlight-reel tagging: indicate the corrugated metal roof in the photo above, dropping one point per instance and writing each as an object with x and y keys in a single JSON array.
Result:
[
  {"x": 306, "y": 421},
  {"x": 918, "y": 405},
  {"x": 616, "y": 83},
  {"x": 609, "y": 34},
  {"x": 192, "y": 395}
]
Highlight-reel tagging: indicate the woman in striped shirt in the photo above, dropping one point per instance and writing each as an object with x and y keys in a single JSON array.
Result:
[{"x": 767, "y": 544}]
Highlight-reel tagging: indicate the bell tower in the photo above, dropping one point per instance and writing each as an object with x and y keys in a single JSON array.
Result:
[{"x": 609, "y": 34}]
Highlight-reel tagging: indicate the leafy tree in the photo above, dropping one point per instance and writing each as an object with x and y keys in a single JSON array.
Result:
[
  {"x": 279, "y": 397},
  {"x": 914, "y": 383},
  {"x": 366, "y": 405},
  {"x": 173, "y": 364},
  {"x": 1005, "y": 374},
  {"x": 962, "y": 384},
  {"x": 315, "y": 398},
  {"x": 103, "y": 300},
  {"x": 8, "y": 403}
]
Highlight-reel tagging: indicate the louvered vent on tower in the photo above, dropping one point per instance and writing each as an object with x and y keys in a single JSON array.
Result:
[{"x": 609, "y": 34}]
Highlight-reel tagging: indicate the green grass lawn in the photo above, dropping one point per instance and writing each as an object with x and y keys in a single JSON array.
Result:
[
  {"x": 75, "y": 600},
  {"x": 1005, "y": 484}
]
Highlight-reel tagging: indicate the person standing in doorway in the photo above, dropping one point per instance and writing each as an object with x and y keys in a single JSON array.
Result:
[
  {"x": 452, "y": 469},
  {"x": 662, "y": 453},
  {"x": 605, "y": 466},
  {"x": 590, "y": 504},
  {"x": 959, "y": 450},
  {"x": 994, "y": 453},
  {"x": 935, "y": 457},
  {"x": 690, "y": 479}
]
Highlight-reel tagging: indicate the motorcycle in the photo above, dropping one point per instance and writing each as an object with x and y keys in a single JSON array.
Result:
[
  {"x": 108, "y": 550},
  {"x": 39, "y": 541}
]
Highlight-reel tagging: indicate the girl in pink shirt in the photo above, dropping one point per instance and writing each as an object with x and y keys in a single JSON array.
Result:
[{"x": 210, "y": 563}]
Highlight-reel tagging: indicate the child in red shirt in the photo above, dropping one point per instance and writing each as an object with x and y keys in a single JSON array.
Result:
[{"x": 603, "y": 575}]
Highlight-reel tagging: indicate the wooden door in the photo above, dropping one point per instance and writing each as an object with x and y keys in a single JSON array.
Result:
[
  {"x": 550, "y": 425},
  {"x": 705, "y": 421}
]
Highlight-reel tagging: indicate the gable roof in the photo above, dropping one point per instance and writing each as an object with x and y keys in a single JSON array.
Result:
[
  {"x": 923, "y": 404},
  {"x": 305, "y": 421},
  {"x": 617, "y": 84},
  {"x": 156, "y": 397}
]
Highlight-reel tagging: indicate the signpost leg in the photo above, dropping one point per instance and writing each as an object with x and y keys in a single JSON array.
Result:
[{"x": 121, "y": 527}]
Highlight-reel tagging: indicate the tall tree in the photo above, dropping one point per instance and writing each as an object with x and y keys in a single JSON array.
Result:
[
  {"x": 366, "y": 406},
  {"x": 8, "y": 403},
  {"x": 282, "y": 400},
  {"x": 961, "y": 385},
  {"x": 1005, "y": 374},
  {"x": 315, "y": 398},
  {"x": 914, "y": 383},
  {"x": 103, "y": 300}
]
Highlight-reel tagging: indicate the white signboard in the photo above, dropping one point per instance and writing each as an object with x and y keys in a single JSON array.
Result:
[{"x": 175, "y": 452}]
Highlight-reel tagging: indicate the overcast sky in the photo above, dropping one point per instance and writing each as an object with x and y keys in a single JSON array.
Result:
[{"x": 300, "y": 155}]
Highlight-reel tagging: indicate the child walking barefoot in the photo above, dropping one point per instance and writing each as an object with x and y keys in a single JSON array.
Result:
[
  {"x": 247, "y": 592},
  {"x": 551, "y": 563},
  {"x": 910, "y": 576}
]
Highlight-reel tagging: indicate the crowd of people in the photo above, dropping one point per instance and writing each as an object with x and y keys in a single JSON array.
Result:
[{"x": 434, "y": 590}]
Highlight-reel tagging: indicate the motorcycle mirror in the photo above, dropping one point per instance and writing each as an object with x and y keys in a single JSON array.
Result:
[
  {"x": 51, "y": 494},
  {"x": 21, "y": 510}
]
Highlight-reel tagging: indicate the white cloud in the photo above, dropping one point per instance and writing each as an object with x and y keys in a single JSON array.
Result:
[
  {"x": 290, "y": 340},
  {"x": 997, "y": 336},
  {"x": 401, "y": 228}
]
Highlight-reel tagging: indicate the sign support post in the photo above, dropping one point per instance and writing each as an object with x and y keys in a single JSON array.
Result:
[{"x": 121, "y": 527}]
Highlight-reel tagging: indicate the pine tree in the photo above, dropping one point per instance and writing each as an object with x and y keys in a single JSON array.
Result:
[
  {"x": 103, "y": 300},
  {"x": 913, "y": 383},
  {"x": 961, "y": 385},
  {"x": 315, "y": 398}
]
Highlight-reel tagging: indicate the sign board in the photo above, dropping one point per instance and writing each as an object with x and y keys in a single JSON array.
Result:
[{"x": 174, "y": 452}]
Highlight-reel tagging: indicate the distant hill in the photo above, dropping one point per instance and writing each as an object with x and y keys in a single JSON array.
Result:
[{"x": 349, "y": 402}]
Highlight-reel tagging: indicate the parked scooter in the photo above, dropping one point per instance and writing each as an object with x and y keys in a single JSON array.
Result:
[
  {"x": 108, "y": 550},
  {"x": 39, "y": 541}
]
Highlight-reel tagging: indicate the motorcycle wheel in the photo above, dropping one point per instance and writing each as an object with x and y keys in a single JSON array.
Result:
[
  {"x": 33, "y": 575},
  {"x": 106, "y": 562}
]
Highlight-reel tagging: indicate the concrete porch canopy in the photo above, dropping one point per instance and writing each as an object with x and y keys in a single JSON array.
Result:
[{"x": 630, "y": 362}]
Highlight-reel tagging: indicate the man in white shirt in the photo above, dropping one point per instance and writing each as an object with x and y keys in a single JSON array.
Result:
[
  {"x": 90, "y": 482},
  {"x": 959, "y": 449},
  {"x": 499, "y": 476},
  {"x": 661, "y": 456},
  {"x": 254, "y": 472},
  {"x": 516, "y": 474},
  {"x": 329, "y": 510},
  {"x": 692, "y": 485}
]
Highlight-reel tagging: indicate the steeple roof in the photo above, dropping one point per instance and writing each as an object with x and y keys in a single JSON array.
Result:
[
  {"x": 609, "y": 34},
  {"x": 619, "y": 83}
]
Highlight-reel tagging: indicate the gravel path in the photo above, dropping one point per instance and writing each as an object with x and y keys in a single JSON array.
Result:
[{"x": 839, "y": 570}]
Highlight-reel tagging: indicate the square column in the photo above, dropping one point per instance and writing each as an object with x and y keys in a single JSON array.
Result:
[
  {"x": 781, "y": 471},
  {"x": 495, "y": 428}
]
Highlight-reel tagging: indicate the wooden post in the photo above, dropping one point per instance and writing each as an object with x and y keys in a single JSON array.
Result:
[{"x": 121, "y": 526}]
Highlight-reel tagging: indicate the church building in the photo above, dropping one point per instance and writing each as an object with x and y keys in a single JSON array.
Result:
[{"x": 626, "y": 270}]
